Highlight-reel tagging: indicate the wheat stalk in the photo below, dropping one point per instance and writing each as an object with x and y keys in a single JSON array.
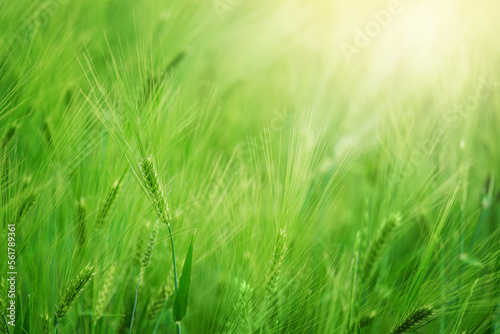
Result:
[
  {"x": 353, "y": 319},
  {"x": 5, "y": 325},
  {"x": 154, "y": 191},
  {"x": 146, "y": 258}
]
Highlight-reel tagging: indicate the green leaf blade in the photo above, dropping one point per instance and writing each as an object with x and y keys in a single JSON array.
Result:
[{"x": 181, "y": 298}]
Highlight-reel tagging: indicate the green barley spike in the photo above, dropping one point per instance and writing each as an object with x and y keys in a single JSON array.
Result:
[
  {"x": 47, "y": 133},
  {"x": 108, "y": 203},
  {"x": 367, "y": 319},
  {"x": 81, "y": 212},
  {"x": 280, "y": 250},
  {"x": 46, "y": 325},
  {"x": 154, "y": 190},
  {"x": 157, "y": 301},
  {"x": 242, "y": 311},
  {"x": 9, "y": 135},
  {"x": 28, "y": 203},
  {"x": 105, "y": 293},
  {"x": 138, "y": 251},
  {"x": 414, "y": 320},
  {"x": 378, "y": 246},
  {"x": 3, "y": 294},
  {"x": 353, "y": 321},
  {"x": 3, "y": 324},
  {"x": 72, "y": 292},
  {"x": 148, "y": 252}
]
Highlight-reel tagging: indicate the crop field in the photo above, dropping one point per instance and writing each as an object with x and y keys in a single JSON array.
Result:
[{"x": 254, "y": 167}]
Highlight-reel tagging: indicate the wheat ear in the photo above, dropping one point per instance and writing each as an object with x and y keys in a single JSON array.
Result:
[
  {"x": 81, "y": 212},
  {"x": 108, "y": 203},
  {"x": 148, "y": 252},
  {"x": 156, "y": 305},
  {"x": 146, "y": 258},
  {"x": 9, "y": 135},
  {"x": 46, "y": 325},
  {"x": 28, "y": 203},
  {"x": 376, "y": 248},
  {"x": 414, "y": 320},
  {"x": 279, "y": 253},
  {"x": 104, "y": 294},
  {"x": 72, "y": 292},
  {"x": 154, "y": 189},
  {"x": 242, "y": 310}
]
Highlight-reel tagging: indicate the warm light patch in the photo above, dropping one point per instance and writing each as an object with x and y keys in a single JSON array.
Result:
[{"x": 427, "y": 28}]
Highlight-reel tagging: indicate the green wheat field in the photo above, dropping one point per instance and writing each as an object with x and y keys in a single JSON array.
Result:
[{"x": 236, "y": 166}]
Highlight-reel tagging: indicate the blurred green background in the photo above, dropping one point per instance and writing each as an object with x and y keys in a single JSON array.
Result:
[{"x": 320, "y": 118}]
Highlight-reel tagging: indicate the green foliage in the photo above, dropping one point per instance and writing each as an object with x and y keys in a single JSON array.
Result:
[
  {"x": 243, "y": 120},
  {"x": 182, "y": 295}
]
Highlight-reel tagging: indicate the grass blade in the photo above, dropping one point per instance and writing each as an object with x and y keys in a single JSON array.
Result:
[{"x": 181, "y": 298}]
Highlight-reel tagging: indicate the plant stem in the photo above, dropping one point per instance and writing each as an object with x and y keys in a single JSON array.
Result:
[
  {"x": 135, "y": 304},
  {"x": 161, "y": 314},
  {"x": 173, "y": 257},
  {"x": 6, "y": 324},
  {"x": 177, "y": 325}
]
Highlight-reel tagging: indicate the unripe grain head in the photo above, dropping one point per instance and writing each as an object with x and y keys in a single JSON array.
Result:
[
  {"x": 108, "y": 203},
  {"x": 154, "y": 189},
  {"x": 414, "y": 320},
  {"x": 280, "y": 250},
  {"x": 377, "y": 247},
  {"x": 72, "y": 292},
  {"x": 105, "y": 293},
  {"x": 148, "y": 252}
]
